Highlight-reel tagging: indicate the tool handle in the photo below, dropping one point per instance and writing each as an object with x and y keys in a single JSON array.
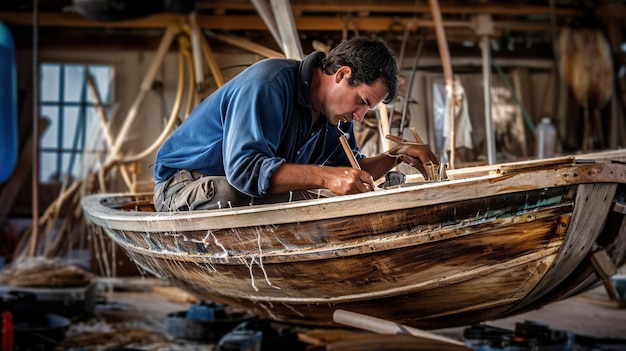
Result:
[{"x": 383, "y": 326}]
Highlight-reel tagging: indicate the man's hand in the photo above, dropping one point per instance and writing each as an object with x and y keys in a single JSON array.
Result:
[
  {"x": 345, "y": 180},
  {"x": 338, "y": 180},
  {"x": 415, "y": 155}
]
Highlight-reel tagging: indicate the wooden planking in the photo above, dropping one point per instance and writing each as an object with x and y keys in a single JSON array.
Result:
[
  {"x": 581, "y": 234},
  {"x": 312, "y": 237},
  {"x": 422, "y": 265},
  {"x": 441, "y": 305}
]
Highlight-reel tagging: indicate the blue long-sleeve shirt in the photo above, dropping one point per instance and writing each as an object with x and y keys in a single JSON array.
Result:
[{"x": 253, "y": 124}]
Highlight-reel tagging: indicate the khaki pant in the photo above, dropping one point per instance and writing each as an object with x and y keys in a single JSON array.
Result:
[{"x": 188, "y": 191}]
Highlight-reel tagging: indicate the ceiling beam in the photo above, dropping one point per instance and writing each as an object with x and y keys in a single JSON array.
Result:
[
  {"x": 399, "y": 7},
  {"x": 254, "y": 22}
]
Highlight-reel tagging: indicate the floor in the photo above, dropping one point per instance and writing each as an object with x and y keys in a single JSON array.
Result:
[{"x": 132, "y": 315}]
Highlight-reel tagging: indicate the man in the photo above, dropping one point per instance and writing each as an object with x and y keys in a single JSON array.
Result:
[{"x": 272, "y": 132}]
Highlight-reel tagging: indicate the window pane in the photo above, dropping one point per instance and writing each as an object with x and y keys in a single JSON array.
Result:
[
  {"x": 69, "y": 164},
  {"x": 79, "y": 169},
  {"x": 47, "y": 167},
  {"x": 50, "y": 135},
  {"x": 50, "y": 82},
  {"x": 102, "y": 79},
  {"x": 95, "y": 137},
  {"x": 74, "y": 76},
  {"x": 72, "y": 127}
]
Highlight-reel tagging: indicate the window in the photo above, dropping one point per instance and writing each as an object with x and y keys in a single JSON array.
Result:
[{"x": 72, "y": 143}]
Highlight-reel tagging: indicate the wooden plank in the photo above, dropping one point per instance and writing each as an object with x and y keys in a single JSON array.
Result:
[{"x": 528, "y": 165}]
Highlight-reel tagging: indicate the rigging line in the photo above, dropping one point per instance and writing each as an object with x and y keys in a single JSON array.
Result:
[
  {"x": 405, "y": 38},
  {"x": 405, "y": 107}
]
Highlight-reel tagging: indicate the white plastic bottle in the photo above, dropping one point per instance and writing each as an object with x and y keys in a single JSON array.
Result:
[{"x": 545, "y": 139}]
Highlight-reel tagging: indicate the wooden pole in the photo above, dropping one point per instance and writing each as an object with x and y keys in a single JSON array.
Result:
[
  {"x": 486, "y": 53},
  {"x": 447, "y": 72},
  {"x": 212, "y": 62},
  {"x": 35, "y": 176},
  {"x": 484, "y": 28},
  {"x": 384, "y": 127},
  {"x": 196, "y": 51}
]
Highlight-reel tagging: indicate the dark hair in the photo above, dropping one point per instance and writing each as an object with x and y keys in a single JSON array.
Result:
[{"x": 369, "y": 60}]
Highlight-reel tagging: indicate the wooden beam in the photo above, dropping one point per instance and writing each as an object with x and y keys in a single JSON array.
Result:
[
  {"x": 246, "y": 45},
  {"x": 405, "y": 8},
  {"x": 448, "y": 75},
  {"x": 333, "y": 22}
]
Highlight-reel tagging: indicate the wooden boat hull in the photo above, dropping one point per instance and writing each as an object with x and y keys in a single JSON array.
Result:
[{"x": 428, "y": 255}]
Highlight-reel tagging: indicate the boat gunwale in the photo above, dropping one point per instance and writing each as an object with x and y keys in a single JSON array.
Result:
[{"x": 494, "y": 183}]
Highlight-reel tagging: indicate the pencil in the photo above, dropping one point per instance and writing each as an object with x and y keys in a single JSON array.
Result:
[{"x": 348, "y": 151}]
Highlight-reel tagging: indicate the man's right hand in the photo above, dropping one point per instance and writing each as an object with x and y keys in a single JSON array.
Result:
[
  {"x": 338, "y": 180},
  {"x": 345, "y": 180}
]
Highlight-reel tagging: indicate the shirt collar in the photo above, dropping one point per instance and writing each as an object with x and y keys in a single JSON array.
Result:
[{"x": 305, "y": 77}]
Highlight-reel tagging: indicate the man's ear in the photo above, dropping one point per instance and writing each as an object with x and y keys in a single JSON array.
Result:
[{"x": 344, "y": 72}]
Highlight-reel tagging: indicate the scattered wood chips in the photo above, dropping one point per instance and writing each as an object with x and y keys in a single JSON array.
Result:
[{"x": 44, "y": 273}]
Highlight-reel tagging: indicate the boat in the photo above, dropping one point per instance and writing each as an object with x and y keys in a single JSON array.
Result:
[{"x": 484, "y": 243}]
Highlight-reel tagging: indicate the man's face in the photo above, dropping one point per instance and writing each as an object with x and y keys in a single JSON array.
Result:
[{"x": 346, "y": 103}]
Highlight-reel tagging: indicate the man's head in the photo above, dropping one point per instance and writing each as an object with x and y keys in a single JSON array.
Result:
[{"x": 369, "y": 59}]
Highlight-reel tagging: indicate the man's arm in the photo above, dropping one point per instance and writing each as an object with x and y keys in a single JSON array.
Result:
[
  {"x": 346, "y": 180},
  {"x": 339, "y": 180}
]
